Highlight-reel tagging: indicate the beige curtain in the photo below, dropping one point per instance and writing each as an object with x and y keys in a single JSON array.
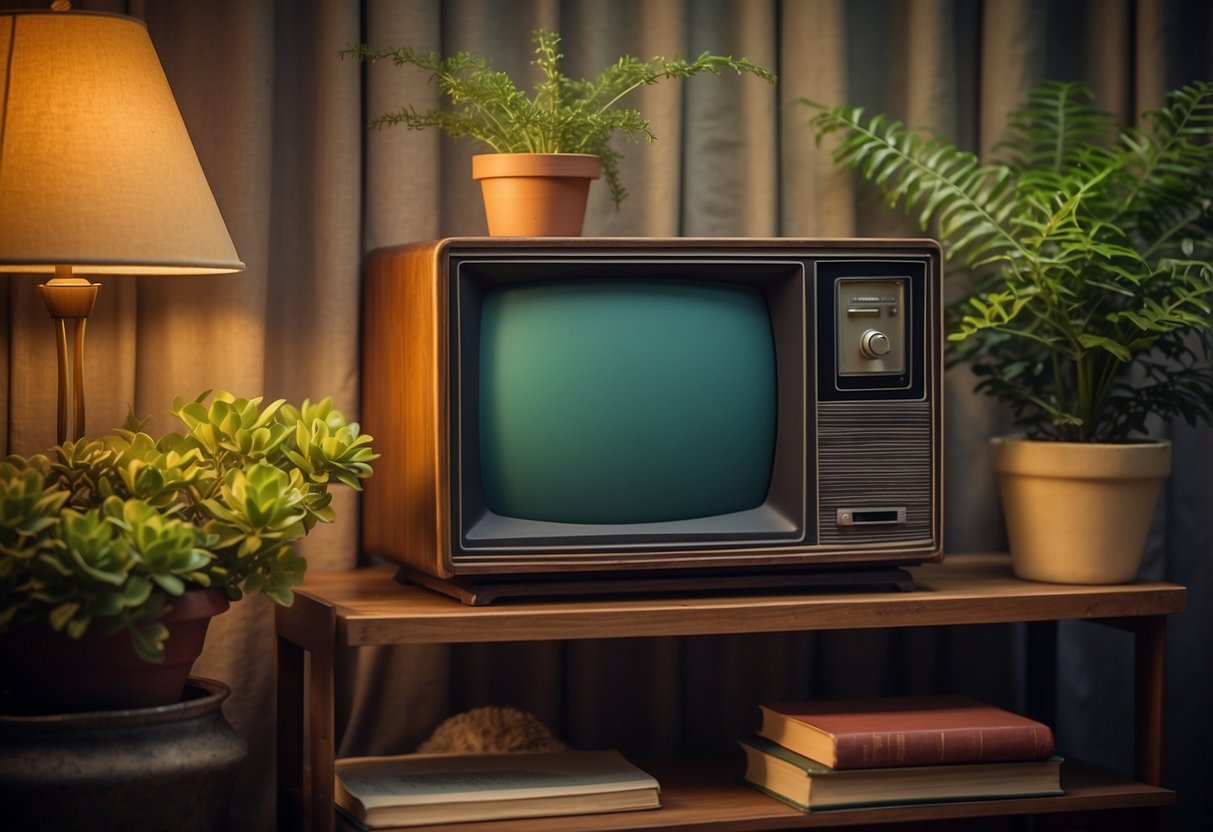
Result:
[{"x": 277, "y": 120}]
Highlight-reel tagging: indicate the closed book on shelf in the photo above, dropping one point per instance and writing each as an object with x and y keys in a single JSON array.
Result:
[
  {"x": 811, "y": 786},
  {"x": 904, "y": 731},
  {"x": 418, "y": 789}
]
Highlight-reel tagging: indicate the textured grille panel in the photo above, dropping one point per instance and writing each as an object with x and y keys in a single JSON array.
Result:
[{"x": 875, "y": 455}]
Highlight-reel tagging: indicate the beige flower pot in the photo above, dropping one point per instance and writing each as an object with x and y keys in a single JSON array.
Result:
[
  {"x": 535, "y": 194},
  {"x": 1078, "y": 513}
]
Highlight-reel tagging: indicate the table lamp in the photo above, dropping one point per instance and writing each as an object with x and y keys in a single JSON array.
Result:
[{"x": 97, "y": 172}]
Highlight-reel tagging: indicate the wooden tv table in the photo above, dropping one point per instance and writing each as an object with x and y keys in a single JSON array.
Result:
[{"x": 368, "y": 607}]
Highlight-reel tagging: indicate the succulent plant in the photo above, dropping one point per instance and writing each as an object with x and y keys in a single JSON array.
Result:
[{"x": 108, "y": 531}]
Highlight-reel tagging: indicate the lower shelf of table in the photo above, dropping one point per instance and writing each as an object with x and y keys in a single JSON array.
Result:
[{"x": 704, "y": 794}]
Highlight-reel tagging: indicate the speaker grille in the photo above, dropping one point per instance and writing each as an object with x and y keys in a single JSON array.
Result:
[{"x": 875, "y": 455}]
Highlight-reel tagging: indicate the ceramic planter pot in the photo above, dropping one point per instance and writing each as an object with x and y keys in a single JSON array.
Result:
[
  {"x": 535, "y": 194},
  {"x": 1078, "y": 513},
  {"x": 140, "y": 770},
  {"x": 52, "y": 673}
]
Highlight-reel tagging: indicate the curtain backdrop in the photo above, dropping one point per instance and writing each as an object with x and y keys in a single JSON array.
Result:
[{"x": 278, "y": 122}]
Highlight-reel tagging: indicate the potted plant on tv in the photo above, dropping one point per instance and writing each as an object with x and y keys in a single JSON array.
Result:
[
  {"x": 115, "y": 552},
  {"x": 546, "y": 148},
  {"x": 1090, "y": 252}
]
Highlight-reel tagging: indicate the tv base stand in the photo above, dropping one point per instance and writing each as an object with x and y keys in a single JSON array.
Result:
[{"x": 477, "y": 592}]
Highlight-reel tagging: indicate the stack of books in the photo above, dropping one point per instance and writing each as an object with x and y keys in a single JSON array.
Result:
[
  {"x": 420, "y": 789},
  {"x": 889, "y": 751}
]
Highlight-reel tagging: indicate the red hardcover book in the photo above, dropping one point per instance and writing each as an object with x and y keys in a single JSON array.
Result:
[{"x": 904, "y": 731}]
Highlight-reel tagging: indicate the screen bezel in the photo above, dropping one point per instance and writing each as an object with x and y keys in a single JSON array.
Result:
[{"x": 786, "y": 517}]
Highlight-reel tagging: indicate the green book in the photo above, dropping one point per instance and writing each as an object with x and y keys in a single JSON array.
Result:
[{"x": 811, "y": 786}]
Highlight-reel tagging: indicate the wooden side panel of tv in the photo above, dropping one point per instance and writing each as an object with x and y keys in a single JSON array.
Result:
[{"x": 403, "y": 334}]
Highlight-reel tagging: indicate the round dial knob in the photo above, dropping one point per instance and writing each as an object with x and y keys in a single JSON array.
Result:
[{"x": 874, "y": 344}]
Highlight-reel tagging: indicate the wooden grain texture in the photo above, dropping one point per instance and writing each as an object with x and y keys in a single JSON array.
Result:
[
  {"x": 704, "y": 795},
  {"x": 405, "y": 405},
  {"x": 1150, "y": 699},
  {"x": 290, "y": 734},
  {"x": 371, "y": 607},
  {"x": 308, "y": 626}
]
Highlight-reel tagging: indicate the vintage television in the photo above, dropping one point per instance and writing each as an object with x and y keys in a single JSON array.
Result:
[{"x": 620, "y": 413}]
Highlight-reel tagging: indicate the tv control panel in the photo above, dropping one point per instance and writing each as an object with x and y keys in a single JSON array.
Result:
[{"x": 871, "y": 326}]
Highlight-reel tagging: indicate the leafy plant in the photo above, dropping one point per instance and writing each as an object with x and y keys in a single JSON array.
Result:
[
  {"x": 563, "y": 115},
  {"x": 1089, "y": 248},
  {"x": 108, "y": 531}
]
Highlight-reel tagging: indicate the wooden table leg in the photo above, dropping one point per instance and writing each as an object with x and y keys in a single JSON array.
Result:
[
  {"x": 320, "y": 721},
  {"x": 290, "y": 735},
  {"x": 306, "y": 642},
  {"x": 1150, "y": 700},
  {"x": 1149, "y": 705}
]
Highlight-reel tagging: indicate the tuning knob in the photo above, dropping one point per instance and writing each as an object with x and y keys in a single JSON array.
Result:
[{"x": 874, "y": 344}]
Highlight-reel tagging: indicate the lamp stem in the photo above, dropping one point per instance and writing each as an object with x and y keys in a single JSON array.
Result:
[
  {"x": 78, "y": 378},
  {"x": 61, "y": 350},
  {"x": 71, "y": 297}
]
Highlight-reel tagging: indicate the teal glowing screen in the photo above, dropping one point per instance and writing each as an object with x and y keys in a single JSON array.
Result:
[{"x": 620, "y": 401}]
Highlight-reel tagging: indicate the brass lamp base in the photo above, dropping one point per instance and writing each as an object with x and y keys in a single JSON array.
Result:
[{"x": 70, "y": 298}]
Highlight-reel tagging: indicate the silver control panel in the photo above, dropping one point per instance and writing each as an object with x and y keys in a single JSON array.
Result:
[{"x": 871, "y": 325}]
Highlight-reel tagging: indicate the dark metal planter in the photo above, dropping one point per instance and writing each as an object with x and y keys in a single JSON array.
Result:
[{"x": 170, "y": 767}]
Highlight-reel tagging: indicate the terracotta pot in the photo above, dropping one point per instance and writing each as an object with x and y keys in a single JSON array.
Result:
[
  {"x": 1078, "y": 513},
  {"x": 51, "y": 673},
  {"x": 535, "y": 194},
  {"x": 140, "y": 770}
]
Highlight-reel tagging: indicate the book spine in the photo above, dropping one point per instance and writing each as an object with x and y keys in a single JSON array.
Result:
[{"x": 925, "y": 748}]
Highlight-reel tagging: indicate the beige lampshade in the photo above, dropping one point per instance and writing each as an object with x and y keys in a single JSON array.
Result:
[{"x": 97, "y": 171}]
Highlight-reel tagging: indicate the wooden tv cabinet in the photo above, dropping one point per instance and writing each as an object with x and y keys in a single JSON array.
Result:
[{"x": 368, "y": 607}]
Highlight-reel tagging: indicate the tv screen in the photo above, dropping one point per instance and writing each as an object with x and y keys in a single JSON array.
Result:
[
  {"x": 627, "y": 404},
  {"x": 616, "y": 401}
]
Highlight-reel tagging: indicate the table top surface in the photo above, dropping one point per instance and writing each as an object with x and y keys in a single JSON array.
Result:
[{"x": 370, "y": 606}]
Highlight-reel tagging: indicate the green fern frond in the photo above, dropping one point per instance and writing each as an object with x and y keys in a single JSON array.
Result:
[
  {"x": 927, "y": 177},
  {"x": 1170, "y": 191},
  {"x": 1057, "y": 129},
  {"x": 562, "y": 115}
]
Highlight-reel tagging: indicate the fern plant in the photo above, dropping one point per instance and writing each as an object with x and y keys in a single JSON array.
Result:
[
  {"x": 562, "y": 115},
  {"x": 1089, "y": 247}
]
